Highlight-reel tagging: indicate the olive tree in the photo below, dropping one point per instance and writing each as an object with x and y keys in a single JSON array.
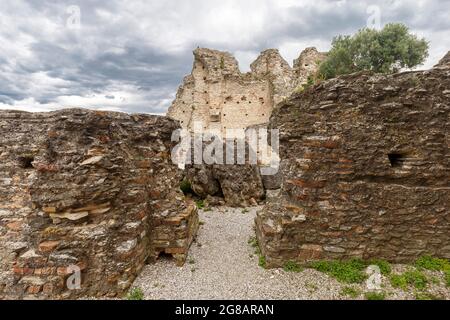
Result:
[{"x": 385, "y": 51}]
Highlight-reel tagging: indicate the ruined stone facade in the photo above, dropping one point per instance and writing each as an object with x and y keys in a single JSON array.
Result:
[
  {"x": 365, "y": 170},
  {"x": 90, "y": 190},
  {"x": 219, "y": 96}
]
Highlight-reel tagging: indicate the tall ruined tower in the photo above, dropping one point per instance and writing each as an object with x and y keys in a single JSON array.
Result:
[{"x": 217, "y": 95}]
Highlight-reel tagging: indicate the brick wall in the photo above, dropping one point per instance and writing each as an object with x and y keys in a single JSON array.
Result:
[
  {"x": 86, "y": 189},
  {"x": 366, "y": 170}
]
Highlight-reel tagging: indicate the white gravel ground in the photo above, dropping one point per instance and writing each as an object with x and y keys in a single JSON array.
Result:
[{"x": 222, "y": 265}]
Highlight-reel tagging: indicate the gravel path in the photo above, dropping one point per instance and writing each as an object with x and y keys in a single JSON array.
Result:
[{"x": 222, "y": 265}]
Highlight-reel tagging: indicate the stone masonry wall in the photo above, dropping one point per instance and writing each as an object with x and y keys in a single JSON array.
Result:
[
  {"x": 220, "y": 96},
  {"x": 90, "y": 189},
  {"x": 366, "y": 170}
]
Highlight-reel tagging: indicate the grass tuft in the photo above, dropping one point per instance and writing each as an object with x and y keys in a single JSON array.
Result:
[
  {"x": 292, "y": 266},
  {"x": 351, "y": 271},
  {"x": 434, "y": 264},
  {"x": 262, "y": 261},
  {"x": 375, "y": 295},
  {"x": 414, "y": 278},
  {"x": 351, "y": 292},
  {"x": 253, "y": 242},
  {"x": 135, "y": 294},
  {"x": 385, "y": 267},
  {"x": 426, "y": 296},
  {"x": 200, "y": 203}
]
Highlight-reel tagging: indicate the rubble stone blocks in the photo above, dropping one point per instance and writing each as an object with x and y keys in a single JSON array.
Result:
[
  {"x": 90, "y": 190},
  {"x": 239, "y": 185},
  {"x": 366, "y": 170}
]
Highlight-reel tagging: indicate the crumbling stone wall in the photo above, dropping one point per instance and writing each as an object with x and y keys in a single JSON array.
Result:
[
  {"x": 365, "y": 168},
  {"x": 219, "y": 96},
  {"x": 95, "y": 190}
]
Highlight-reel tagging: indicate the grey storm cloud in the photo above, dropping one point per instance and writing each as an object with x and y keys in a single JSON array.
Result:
[{"x": 131, "y": 55}]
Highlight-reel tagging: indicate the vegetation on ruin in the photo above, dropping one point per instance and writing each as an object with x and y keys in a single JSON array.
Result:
[
  {"x": 311, "y": 81},
  {"x": 427, "y": 296},
  {"x": 385, "y": 267},
  {"x": 375, "y": 295},
  {"x": 412, "y": 277},
  {"x": 186, "y": 187},
  {"x": 253, "y": 242},
  {"x": 383, "y": 51},
  {"x": 351, "y": 292},
  {"x": 135, "y": 294},
  {"x": 292, "y": 266},
  {"x": 351, "y": 271},
  {"x": 435, "y": 264},
  {"x": 262, "y": 261},
  {"x": 200, "y": 203},
  {"x": 415, "y": 277}
]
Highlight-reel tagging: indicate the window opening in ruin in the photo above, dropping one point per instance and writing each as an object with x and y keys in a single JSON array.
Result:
[
  {"x": 25, "y": 162},
  {"x": 396, "y": 159},
  {"x": 215, "y": 118}
]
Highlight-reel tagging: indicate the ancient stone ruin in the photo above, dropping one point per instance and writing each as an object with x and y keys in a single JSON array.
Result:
[
  {"x": 90, "y": 190},
  {"x": 366, "y": 170},
  {"x": 364, "y": 173},
  {"x": 217, "y": 95}
]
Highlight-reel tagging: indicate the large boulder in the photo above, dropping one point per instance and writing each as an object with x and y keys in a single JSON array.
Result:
[{"x": 239, "y": 185}]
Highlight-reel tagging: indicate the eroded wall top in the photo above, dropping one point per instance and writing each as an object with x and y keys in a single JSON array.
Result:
[{"x": 219, "y": 96}]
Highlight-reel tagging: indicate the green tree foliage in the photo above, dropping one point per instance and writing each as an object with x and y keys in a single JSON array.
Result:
[{"x": 386, "y": 51}]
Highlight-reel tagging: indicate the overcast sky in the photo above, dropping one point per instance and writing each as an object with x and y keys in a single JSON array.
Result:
[{"x": 131, "y": 55}]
